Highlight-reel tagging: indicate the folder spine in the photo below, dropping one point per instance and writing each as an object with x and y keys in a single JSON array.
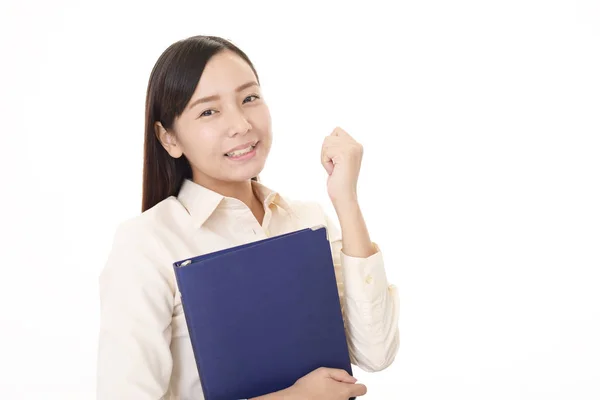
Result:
[{"x": 190, "y": 323}]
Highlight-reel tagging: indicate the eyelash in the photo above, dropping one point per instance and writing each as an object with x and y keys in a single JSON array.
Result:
[{"x": 252, "y": 95}]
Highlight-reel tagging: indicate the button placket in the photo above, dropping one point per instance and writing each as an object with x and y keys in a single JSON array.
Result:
[
  {"x": 267, "y": 220},
  {"x": 247, "y": 222}
]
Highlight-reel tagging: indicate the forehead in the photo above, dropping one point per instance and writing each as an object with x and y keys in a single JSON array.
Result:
[{"x": 224, "y": 72}]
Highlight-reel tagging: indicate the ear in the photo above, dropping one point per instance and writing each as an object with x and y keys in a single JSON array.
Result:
[{"x": 168, "y": 140}]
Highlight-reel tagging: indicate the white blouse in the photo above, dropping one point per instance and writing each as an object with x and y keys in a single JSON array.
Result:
[{"x": 144, "y": 347}]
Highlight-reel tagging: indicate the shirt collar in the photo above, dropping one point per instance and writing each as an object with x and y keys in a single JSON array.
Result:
[{"x": 201, "y": 202}]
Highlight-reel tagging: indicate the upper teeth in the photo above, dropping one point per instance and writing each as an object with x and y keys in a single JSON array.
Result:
[{"x": 237, "y": 153}]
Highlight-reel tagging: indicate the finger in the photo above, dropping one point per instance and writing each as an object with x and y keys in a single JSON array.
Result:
[
  {"x": 329, "y": 164},
  {"x": 337, "y": 141},
  {"x": 328, "y": 152},
  {"x": 341, "y": 375},
  {"x": 331, "y": 143},
  {"x": 332, "y": 140},
  {"x": 339, "y": 132},
  {"x": 342, "y": 150},
  {"x": 328, "y": 159},
  {"x": 357, "y": 389}
]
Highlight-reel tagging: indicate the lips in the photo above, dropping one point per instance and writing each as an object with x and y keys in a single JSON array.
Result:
[{"x": 241, "y": 150}]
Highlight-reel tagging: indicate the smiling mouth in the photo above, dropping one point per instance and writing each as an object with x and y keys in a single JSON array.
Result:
[{"x": 241, "y": 152}]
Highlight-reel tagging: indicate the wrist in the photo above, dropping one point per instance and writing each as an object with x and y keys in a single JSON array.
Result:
[
  {"x": 346, "y": 203},
  {"x": 290, "y": 393},
  {"x": 285, "y": 394}
]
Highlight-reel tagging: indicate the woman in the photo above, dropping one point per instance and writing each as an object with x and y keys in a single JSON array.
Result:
[{"x": 207, "y": 137}]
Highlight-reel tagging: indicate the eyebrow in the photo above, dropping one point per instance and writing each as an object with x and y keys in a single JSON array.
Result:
[{"x": 217, "y": 97}]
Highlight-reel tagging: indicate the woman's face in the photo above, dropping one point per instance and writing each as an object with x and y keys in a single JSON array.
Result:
[{"x": 225, "y": 129}]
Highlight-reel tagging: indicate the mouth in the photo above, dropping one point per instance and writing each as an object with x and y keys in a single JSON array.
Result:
[{"x": 243, "y": 153}]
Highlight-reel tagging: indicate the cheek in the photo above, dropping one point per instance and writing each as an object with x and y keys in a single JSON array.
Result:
[
  {"x": 202, "y": 146},
  {"x": 261, "y": 120}
]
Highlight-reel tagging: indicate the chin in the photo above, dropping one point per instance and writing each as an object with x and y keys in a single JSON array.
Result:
[
  {"x": 240, "y": 178},
  {"x": 243, "y": 174}
]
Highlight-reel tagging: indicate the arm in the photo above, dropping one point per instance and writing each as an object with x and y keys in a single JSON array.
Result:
[
  {"x": 356, "y": 241},
  {"x": 370, "y": 305},
  {"x": 134, "y": 357}
]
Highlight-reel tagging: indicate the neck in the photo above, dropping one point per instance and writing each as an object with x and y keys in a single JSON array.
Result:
[{"x": 242, "y": 191}]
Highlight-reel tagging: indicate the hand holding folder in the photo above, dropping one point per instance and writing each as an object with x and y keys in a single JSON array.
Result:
[{"x": 264, "y": 314}]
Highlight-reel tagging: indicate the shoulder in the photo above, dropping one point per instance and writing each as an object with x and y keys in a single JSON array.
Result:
[
  {"x": 144, "y": 239},
  {"x": 167, "y": 215},
  {"x": 313, "y": 213},
  {"x": 139, "y": 262},
  {"x": 306, "y": 209}
]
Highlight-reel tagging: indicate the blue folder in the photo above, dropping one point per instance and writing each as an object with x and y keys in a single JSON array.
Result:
[{"x": 264, "y": 314}]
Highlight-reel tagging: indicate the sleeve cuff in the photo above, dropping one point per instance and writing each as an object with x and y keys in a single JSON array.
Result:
[{"x": 364, "y": 278}]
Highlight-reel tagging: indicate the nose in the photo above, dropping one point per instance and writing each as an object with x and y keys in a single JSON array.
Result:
[{"x": 238, "y": 124}]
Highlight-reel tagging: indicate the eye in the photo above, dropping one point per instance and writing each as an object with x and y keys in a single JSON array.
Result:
[
  {"x": 250, "y": 98},
  {"x": 207, "y": 113}
]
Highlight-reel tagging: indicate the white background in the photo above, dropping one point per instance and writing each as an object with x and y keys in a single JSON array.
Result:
[{"x": 480, "y": 180}]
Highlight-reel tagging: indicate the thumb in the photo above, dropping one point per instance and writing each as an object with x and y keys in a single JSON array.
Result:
[
  {"x": 328, "y": 158},
  {"x": 341, "y": 375},
  {"x": 328, "y": 167},
  {"x": 327, "y": 161},
  {"x": 357, "y": 390}
]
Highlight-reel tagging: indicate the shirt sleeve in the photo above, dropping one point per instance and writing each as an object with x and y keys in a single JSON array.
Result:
[
  {"x": 370, "y": 305},
  {"x": 136, "y": 296}
]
